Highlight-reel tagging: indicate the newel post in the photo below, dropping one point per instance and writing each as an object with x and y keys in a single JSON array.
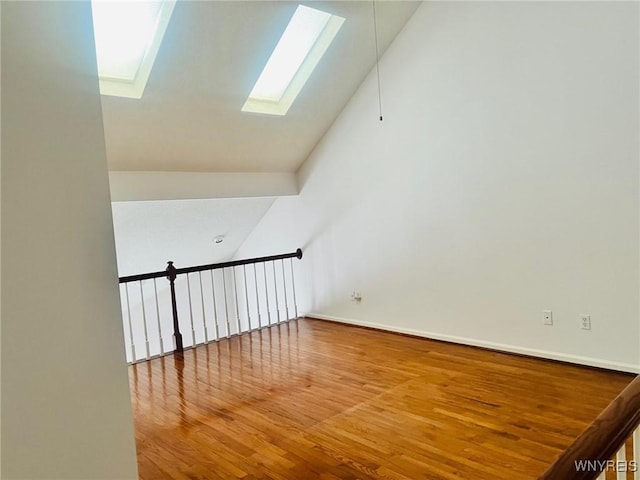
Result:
[{"x": 177, "y": 336}]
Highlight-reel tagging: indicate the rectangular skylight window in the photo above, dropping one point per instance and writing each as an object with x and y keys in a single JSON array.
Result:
[
  {"x": 302, "y": 45},
  {"x": 128, "y": 35}
]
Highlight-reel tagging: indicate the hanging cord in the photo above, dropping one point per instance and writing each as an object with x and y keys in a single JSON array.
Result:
[{"x": 375, "y": 32}]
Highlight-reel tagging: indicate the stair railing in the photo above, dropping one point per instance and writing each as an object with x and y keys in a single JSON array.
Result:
[
  {"x": 609, "y": 448},
  {"x": 206, "y": 302}
]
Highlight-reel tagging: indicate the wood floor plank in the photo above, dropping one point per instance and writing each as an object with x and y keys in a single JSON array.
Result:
[{"x": 318, "y": 400}]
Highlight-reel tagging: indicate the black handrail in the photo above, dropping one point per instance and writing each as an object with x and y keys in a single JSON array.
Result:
[
  {"x": 212, "y": 266},
  {"x": 172, "y": 272}
]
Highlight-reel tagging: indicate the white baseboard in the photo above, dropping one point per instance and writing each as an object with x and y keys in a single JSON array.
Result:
[{"x": 562, "y": 357}]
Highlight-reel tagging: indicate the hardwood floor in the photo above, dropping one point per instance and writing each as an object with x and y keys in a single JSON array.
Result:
[{"x": 318, "y": 400}]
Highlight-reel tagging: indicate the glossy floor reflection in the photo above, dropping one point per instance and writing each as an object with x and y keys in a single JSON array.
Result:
[{"x": 311, "y": 399}]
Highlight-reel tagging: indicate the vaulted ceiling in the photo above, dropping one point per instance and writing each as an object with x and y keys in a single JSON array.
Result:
[
  {"x": 189, "y": 117},
  {"x": 189, "y": 120}
]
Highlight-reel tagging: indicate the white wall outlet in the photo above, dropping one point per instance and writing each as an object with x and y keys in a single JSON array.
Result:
[
  {"x": 356, "y": 297},
  {"x": 585, "y": 322},
  {"x": 547, "y": 317}
]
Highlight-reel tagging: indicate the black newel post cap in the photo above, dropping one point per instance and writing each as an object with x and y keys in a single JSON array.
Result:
[{"x": 171, "y": 271}]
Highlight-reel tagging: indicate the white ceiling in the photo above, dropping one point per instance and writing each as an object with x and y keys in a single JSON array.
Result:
[
  {"x": 189, "y": 118},
  {"x": 148, "y": 234}
]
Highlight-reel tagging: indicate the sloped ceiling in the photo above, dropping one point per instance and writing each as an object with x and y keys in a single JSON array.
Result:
[
  {"x": 148, "y": 234},
  {"x": 189, "y": 118}
]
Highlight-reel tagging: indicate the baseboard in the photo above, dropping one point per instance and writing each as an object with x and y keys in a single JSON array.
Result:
[{"x": 501, "y": 347}]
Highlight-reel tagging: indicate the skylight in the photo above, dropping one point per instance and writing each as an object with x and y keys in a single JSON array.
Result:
[
  {"x": 302, "y": 45},
  {"x": 128, "y": 35}
]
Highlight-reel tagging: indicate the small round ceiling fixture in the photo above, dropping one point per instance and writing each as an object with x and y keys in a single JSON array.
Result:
[{"x": 218, "y": 239}]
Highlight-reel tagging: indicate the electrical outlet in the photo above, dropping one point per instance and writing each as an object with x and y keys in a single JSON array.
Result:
[
  {"x": 547, "y": 317},
  {"x": 585, "y": 322}
]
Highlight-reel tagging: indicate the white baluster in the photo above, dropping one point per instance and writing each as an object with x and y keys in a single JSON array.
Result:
[
  {"x": 144, "y": 321},
  {"x": 284, "y": 288},
  {"x": 193, "y": 332},
  {"x": 293, "y": 288},
  {"x": 226, "y": 306},
  {"x": 266, "y": 292},
  {"x": 246, "y": 294},
  {"x": 235, "y": 295},
  {"x": 133, "y": 347},
  {"x": 255, "y": 282},
  {"x": 215, "y": 309},
  {"x": 204, "y": 317},
  {"x": 155, "y": 289},
  {"x": 275, "y": 289},
  {"x": 636, "y": 453},
  {"x": 621, "y": 458}
]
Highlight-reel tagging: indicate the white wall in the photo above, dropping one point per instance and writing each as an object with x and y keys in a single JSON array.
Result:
[
  {"x": 0, "y": 254},
  {"x": 66, "y": 411},
  {"x": 142, "y": 186},
  {"x": 503, "y": 181}
]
